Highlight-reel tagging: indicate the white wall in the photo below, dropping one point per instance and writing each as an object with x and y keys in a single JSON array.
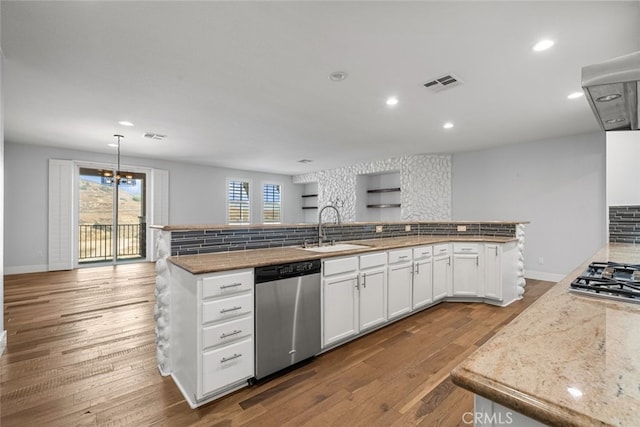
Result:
[
  {"x": 558, "y": 185},
  {"x": 197, "y": 195},
  {"x": 3, "y": 333},
  {"x": 623, "y": 170}
]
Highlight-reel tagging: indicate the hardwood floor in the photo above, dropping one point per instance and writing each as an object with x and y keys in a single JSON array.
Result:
[{"x": 81, "y": 352}]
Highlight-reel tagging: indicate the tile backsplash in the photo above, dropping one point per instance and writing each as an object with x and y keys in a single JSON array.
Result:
[
  {"x": 237, "y": 239},
  {"x": 624, "y": 224}
]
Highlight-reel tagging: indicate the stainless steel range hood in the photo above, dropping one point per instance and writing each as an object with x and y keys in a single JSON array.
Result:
[{"x": 611, "y": 88}]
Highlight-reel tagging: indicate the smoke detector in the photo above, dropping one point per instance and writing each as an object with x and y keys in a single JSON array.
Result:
[
  {"x": 443, "y": 82},
  {"x": 155, "y": 136}
]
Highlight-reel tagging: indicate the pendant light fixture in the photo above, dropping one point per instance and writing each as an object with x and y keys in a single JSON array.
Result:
[
  {"x": 118, "y": 168},
  {"x": 119, "y": 179}
]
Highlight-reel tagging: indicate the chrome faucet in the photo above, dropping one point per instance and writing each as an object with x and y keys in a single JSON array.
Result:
[{"x": 321, "y": 233}]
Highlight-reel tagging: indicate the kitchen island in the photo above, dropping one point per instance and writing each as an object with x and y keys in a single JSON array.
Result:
[
  {"x": 205, "y": 301},
  {"x": 569, "y": 359}
]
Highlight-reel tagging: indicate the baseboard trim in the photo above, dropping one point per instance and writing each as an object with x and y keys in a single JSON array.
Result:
[
  {"x": 3, "y": 342},
  {"x": 26, "y": 269},
  {"x": 541, "y": 275}
]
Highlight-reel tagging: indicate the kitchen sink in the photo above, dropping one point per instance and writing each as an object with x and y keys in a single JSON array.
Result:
[{"x": 336, "y": 248}]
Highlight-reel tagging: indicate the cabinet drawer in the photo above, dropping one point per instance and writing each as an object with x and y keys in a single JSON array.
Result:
[
  {"x": 465, "y": 248},
  {"x": 402, "y": 255},
  {"x": 227, "y": 308},
  {"x": 373, "y": 260},
  {"x": 339, "y": 265},
  {"x": 225, "y": 284},
  {"x": 227, "y": 365},
  {"x": 227, "y": 332},
  {"x": 442, "y": 249},
  {"x": 422, "y": 252}
]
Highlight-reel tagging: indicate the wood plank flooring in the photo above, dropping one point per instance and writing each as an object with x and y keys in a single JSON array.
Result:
[{"x": 81, "y": 352}]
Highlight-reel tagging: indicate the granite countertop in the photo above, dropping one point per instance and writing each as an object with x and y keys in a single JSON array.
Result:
[
  {"x": 221, "y": 261},
  {"x": 569, "y": 360}
]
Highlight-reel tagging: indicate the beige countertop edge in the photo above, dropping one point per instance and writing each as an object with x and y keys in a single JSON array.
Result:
[
  {"x": 484, "y": 378},
  {"x": 193, "y": 227},
  {"x": 222, "y": 261},
  {"x": 544, "y": 411}
]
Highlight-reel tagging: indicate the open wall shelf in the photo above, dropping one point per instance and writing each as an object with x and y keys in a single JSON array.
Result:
[
  {"x": 384, "y": 190},
  {"x": 385, "y": 205}
]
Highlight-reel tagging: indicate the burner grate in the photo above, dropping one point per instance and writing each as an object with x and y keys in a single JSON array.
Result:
[{"x": 609, "y": 280}]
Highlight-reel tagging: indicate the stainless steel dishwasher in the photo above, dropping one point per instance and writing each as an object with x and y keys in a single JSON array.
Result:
[{"x": 287, "y": 315}]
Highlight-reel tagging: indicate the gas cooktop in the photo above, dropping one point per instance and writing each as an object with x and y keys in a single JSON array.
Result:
[{"x": 610, "y": 280}]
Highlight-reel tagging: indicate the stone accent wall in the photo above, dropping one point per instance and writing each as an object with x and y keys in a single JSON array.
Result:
[
  {"x": 163, "y": 298},
  {"x": 624, "y": 224},
  {"x": 521, "y": 281},
  {"x": 425, "y": 181}
]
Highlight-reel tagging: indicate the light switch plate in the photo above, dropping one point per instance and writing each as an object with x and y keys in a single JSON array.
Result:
[
  {"x": 462, "y": 228},
  {"x": 407, "y": 227},
  {"x": 378, "y": 229}
]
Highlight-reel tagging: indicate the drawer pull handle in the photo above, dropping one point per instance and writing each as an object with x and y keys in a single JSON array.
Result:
[
  {"x": 227, "y": 310},
  {"x": 232, "y": 285},
  {"x": 403, "y": 257},
  {"x": 466, "y": 249},
  {"x": 443, "y": 250},
  {"x": 235, "y": 356},
  {"x": 230, "y": 334}
]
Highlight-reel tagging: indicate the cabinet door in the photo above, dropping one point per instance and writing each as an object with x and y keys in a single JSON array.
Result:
[
  {"x": 399, "y": 290},
  {"x": 339, "y": 318},
  {"x": 422, "y": 283},
  {"x": 441, "y": 276},
  {"x": 492, "y": 275},
  {"x": 466, "y": 274},
  {"x": 373, "y": 284}
]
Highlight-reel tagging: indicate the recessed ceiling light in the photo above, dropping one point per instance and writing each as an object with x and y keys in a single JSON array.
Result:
[
  {"x": 337, "y": 76},
  {"x": 447, "y": 125},
  {"x": 125, "y": 123},
  {"x": 608, "y": 98},
  {"x": 305, "y": 161},
  {"x": 575, "y": 95},
  {"x": 612, "y": 121},
  {"x": 112, "y": 145},
  {"x": 543, "y": 45},
  {"x": 392, "y": 100}
]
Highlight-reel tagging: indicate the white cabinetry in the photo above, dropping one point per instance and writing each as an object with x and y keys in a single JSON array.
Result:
[
  {"x": 466, "y": 270},
  {"x": 400, "y": 283},
  {"x": 339, "y": 299},
  {"x": 371, "y": 290},
  {"x": 211, "y": 333},
  {"x": 353, "y": 296},
  {"x": 422, "y": 276},
  {"x": 492, "y": 271},
  {"x": 442, "y": 271}
]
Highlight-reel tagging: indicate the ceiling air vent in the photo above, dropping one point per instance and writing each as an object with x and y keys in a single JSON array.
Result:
[
  {"x": 444, "y": 82},
  {"x": 155, "y": 136}
]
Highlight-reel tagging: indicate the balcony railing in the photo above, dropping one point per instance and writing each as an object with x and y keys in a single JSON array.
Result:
[{"x": 95, "y": 242}]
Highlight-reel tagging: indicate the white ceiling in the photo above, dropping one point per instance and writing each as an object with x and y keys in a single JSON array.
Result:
[{"x": 245, "y": 84}]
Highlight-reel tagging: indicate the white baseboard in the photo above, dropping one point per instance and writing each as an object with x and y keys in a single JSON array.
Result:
[
  {"x": 26, "y": 269},
  {"x": 3, "y": 342},
  {"x": 541, "y": 275}
]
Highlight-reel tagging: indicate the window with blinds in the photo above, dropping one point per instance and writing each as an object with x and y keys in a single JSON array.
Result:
[
  {"x": 271, "y": 203},
  {"x": 238, "y": 203}
]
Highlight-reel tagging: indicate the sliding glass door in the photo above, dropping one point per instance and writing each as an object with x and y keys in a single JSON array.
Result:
[{"x": 111, "y": 216}]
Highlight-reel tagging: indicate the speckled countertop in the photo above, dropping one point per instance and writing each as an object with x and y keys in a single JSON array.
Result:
[
  {"x": 568, "y": 360},
  {"x": 221, "y": 261}
]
